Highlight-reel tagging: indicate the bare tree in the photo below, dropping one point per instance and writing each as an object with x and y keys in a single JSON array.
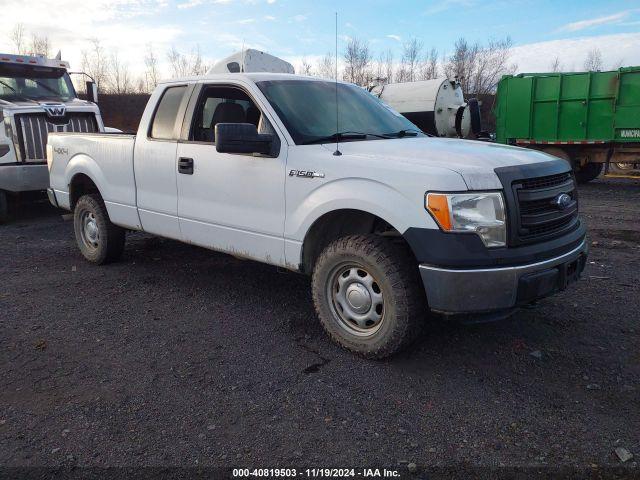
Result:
[
  {"x": 141, "y": 85},
  {"x": 326, "y": 67},
  {"x": 305, "y": 67},
  {"x": 461, "y": 64},
  {"x": 492, "y": 62},
  {"x": 384, "y": 68},
  {"x": 478, "y": 68},
  {"x": 410, "y": 58},
  {"x": 185, "y": 65},
  {"x": 17, "y": 38},
  {"x": 151, "y": 72},
  {"x": 388, "y": 66},
  {"x": 118, "y": 76},
  {"x": 177, "y": 63},
  {"x": 593, "y": 62},
  {"x": 197, "y": 64},
  {"x": 39, "y": 45},
  {"x": 556, "y": 66},
  {"x": 95, "y": 62},
  {"x": 357, "y": 59},
  {"x": 429, "y": 68}
]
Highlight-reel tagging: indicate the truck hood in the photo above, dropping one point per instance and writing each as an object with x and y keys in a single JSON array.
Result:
[
  {"x": 475, "y": 161},
  {"x": 31, "y": 103}
]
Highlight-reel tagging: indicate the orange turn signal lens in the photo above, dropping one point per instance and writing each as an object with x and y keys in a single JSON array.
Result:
[{"x": 438, "y": 205}]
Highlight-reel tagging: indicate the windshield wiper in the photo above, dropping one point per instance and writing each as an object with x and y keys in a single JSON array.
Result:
[
  {"x": 343, "y": 136},
  {"x": 8, "y": 86},
  {"x": 15, "y": 91},
  {"x": 407, "y": 132}
]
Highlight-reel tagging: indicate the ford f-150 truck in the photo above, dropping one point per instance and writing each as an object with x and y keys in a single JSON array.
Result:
[{"x": 390, "y": 223}]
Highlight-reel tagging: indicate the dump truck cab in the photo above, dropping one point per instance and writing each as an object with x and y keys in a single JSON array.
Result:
[{"x": 37, "y": 97}]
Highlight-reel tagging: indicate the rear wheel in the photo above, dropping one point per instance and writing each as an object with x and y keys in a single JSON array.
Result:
[
  {"x": 583, "y": 173},
  {"x": 368, "y": 295},
  {"x": 588, "y": 172},
  {"x": 99, "y": 240},
  {"x": 4, "y": 207}
]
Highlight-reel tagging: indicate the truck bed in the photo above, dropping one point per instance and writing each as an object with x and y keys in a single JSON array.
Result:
[{"x": 105, "y": 158}]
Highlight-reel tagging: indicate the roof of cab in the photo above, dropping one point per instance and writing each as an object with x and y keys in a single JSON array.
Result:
[{"x": 252, "y": 77}]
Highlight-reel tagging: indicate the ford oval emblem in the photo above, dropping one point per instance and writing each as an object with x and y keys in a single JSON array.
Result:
[{"x": 562, "y": 201}]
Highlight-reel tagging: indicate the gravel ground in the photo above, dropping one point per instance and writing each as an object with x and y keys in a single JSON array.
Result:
[{"x": 177, "y": 356}]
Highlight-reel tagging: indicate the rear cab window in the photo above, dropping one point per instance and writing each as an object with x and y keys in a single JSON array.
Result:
[{"x": 164, "y": 119}]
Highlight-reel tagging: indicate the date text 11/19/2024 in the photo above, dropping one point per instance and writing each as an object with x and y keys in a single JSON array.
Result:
[{"x": 315, "y": 473}]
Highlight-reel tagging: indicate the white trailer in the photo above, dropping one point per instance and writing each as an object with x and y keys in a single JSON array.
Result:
[
  {"x": 251, "y": 60},
  {"x": 436, "y": 106},
  {"x": 37, "y": 97}
]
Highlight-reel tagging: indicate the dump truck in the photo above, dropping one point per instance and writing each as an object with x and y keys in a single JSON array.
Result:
[
  {"x": 588, "y": 118},
  {"x": 37, "y": 97}
]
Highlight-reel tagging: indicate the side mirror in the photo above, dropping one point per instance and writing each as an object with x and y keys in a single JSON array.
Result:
[
  {"x": 241, "y": 138},
  {"x": 92, "y": 92}
]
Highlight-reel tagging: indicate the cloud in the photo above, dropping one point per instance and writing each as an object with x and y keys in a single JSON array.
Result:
[
  {"x": 444, "y": 5},
  {"x": 594, "y": 22},
  {"x": 269, "y": 17},
  {"x": 190, "y": 4},
  {"x": 397, "y": 38},
  {"x": 71, "y": 24},
  {"x": 616, "y": 49},
  {"x": 299, "y": 18},
  {"x": 246, "y": 21}
]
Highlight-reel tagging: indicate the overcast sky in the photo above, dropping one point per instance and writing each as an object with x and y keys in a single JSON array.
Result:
[{"x": 540, "y": 30}]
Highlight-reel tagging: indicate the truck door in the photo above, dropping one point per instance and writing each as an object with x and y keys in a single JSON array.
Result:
[
  {"x": 155, "y": 162},
  {"x": 230, "y": 202}
]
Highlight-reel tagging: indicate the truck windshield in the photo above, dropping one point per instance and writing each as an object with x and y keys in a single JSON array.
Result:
[
  {"x": 308, "y": 110},
  {"x": 20, "y": 82}
]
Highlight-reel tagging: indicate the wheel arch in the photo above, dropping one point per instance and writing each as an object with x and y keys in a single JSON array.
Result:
[
  {"x": 85, "y": 176},
  {"x": 350, "y": 206},
  {"x": 79, "y": 185},
  {"x": 339, "y": 223}
]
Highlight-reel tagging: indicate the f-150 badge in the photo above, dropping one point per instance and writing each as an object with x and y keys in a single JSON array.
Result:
[{"x": 305, "y": 174}]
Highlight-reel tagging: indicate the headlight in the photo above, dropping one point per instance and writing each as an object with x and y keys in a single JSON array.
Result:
[{"x": 480, "y": 212}]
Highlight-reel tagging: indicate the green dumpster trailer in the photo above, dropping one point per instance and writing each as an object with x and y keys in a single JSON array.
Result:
[{"x": 587, "y": 118}]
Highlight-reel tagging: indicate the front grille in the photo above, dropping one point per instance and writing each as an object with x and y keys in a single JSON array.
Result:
[
  {"x": 544, "y": 182},
  {"x": 538, "y": 216},
  {"x": 34, "y": 128}
]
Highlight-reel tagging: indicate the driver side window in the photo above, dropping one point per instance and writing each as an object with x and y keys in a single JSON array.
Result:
[{"x": 219, "y": 104}]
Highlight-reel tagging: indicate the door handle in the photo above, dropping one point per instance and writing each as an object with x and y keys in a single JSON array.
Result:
[{"x": 185, "y": 166}]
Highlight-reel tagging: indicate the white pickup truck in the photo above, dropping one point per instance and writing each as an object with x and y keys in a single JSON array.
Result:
[{"x": 390, "y": 223}]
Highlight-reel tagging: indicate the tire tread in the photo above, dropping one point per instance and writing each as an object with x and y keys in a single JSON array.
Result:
[{"x": 398, "y": 264}]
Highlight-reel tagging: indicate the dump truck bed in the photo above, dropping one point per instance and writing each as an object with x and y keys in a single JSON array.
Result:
[{"x": 561, "y": 108}]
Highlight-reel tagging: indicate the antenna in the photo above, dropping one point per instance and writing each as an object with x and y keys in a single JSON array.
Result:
[
  {"x": 242, "y": 56},
  {"x": 337, "y": 153}
]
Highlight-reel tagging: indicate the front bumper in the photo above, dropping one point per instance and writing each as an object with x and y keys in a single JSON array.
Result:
[
  {"x": 24, "y": 178},
  {"x": 459, "y": 291}
]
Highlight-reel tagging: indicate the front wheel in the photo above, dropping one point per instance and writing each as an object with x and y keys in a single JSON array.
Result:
[
  {"x": 99, "y": 240},
  {"x": 368, "y": 294}
]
